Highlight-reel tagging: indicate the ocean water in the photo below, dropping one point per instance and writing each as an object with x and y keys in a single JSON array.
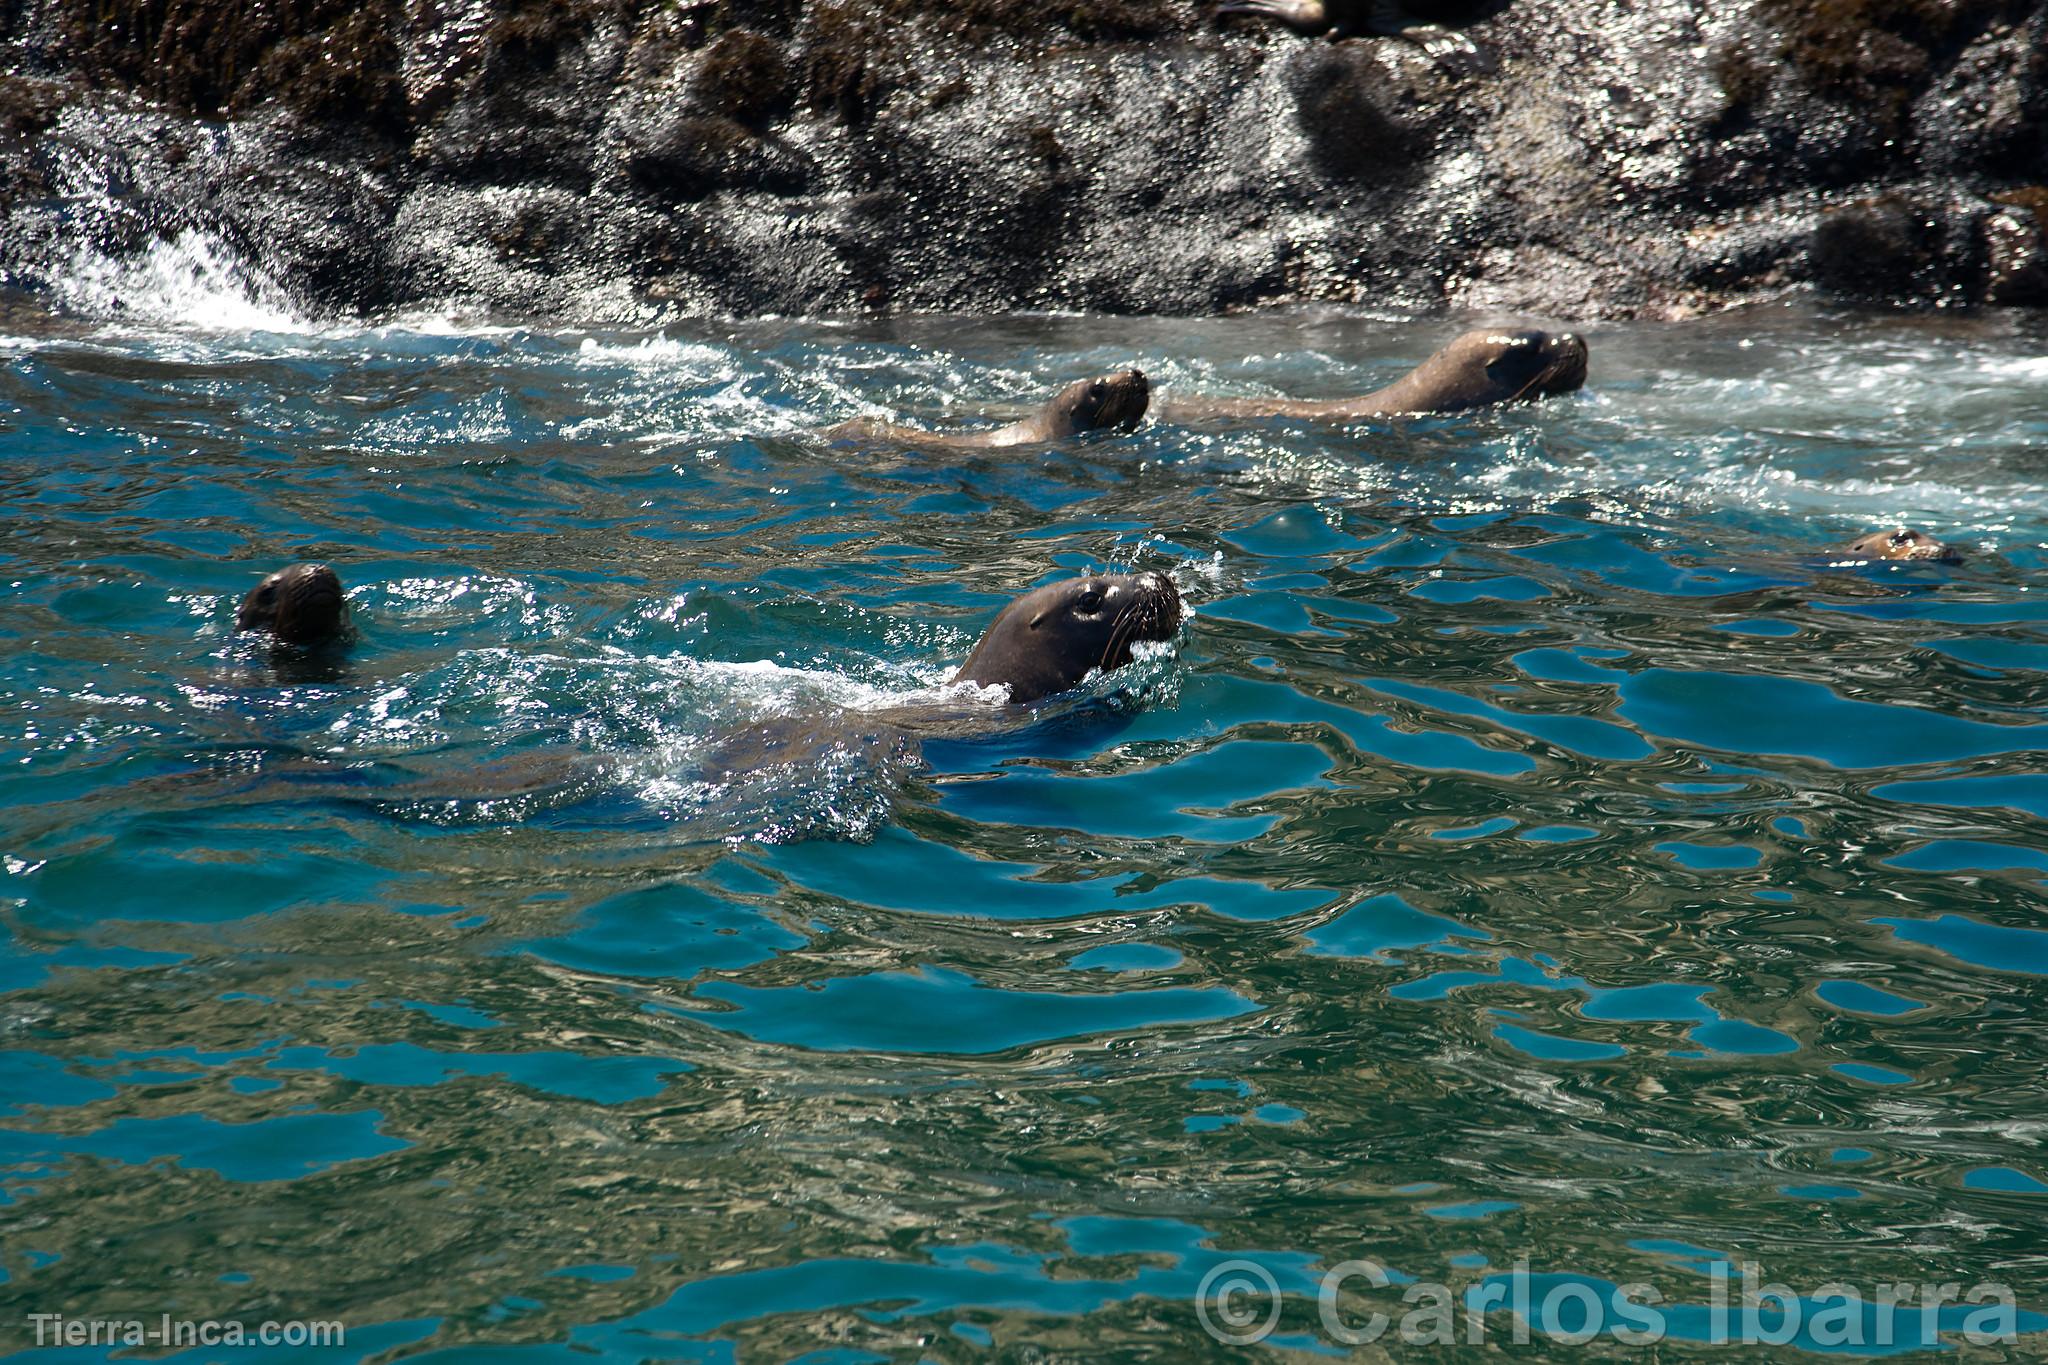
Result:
[{"x": 1538, "y": 862}]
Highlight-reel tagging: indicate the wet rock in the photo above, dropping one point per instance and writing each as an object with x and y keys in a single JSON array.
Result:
[
  {"x": 693, "y": 156},
  {"x": 613, "y": 159},
  {"x": 1362, "y": 120},
  {"x": 1899, "y": 247},
  {"x": 2016, "y": 243},
  {"x": 1872, "y": 249}
]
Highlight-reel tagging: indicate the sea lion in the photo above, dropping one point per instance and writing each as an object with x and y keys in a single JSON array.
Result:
[
  {"x": 1342, "y": 19},
  {"x": 1042, "y": 644},
  {"x": 1113, "y": 402},
  {"x": 300, "y": 604},
  {"x": 1047, "y": 641},
  {"x": 1477, "y": 369},
  {"x": 1904, "y": 543}
]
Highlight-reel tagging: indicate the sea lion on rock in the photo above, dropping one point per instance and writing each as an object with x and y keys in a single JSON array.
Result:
[
  {"x": 1342, "y": 19},
  {"x": 1905, "y": 544},
  {"x": 300, "y": 604},
  {"x": 1047, "y": 641},
  {"x": 1477, "y": 369},
  {"x": 1112, "y": 402}
]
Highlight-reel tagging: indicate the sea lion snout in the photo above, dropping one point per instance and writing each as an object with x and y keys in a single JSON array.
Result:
[
  {"x": 1568, "y": 353},
  {"x": 1159, "y": 602},
  {"x": 1115, "y": 401}
]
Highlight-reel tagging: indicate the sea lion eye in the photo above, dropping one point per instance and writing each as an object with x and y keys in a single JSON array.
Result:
[
  {"x": 1090, "y": 600},
  {"x": 1097, "y": 389},
  {"x": 1903, "y": 537}
]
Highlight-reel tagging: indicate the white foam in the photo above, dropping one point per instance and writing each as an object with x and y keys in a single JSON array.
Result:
[
  {"x": 192, "y": 281},
  {"x": 2016, "y": 367},
  {"x": 692, "y": 358},
  {"x": 779, "y": 689}
]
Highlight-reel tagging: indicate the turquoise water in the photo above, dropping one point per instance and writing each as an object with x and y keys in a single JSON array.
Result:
[{"x": 1534, "y": 849}]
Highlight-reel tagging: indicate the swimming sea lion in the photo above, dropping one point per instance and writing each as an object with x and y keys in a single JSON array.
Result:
[
  {"x": 1113, "y": 402},
  {"x": 1903, "y": 543},
  {"x": 300, "y": 604},
  {"x": 1047, "y": 641},
  {"x": 1342, "y": 19},
  {"x": 1479, "y": 368},
  {"x": 1044, "y": 643}
]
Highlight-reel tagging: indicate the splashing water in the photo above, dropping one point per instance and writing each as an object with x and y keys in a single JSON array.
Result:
[{"x": 190, "y": 281}]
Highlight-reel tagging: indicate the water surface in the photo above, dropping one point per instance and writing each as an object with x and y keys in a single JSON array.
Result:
[{"x": 1535, "y": 847}]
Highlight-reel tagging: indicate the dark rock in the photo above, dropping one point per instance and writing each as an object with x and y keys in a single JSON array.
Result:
[
  {"x": 1361, "y": 120},
  {"x": 744, "y": 77},
  {"x": 610, "y": 159},
  {"x": 1872, "y": 249},
  {"x": 2016, "y": 242},
  {"x": 1900, "y": 246},
  {"x": 334, "y": 61},
  {"x": 693, "y": 156}
]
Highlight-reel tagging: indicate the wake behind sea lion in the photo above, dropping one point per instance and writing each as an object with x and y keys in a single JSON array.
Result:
[
  {"x": 1477, "y": 369},
  {"x": 1107, "y": 402}
]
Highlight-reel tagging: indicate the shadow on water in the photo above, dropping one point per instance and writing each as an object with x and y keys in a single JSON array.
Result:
[{"x": 1537, "y": 846}]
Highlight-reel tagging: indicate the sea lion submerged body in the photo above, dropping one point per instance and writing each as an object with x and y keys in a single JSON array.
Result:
[
  {"x": 1901, "y": 544},
  {"x": 1114, "y": 402},
  {"x": 300, "y": 604},
  {"x": 1478, "y": 369}
]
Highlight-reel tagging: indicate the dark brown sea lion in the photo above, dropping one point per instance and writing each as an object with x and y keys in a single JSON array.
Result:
[
  {"x": 1904, "y": 543},
  {"x": 1044, "y": 643},
  {"x": 1112, "y": 402},
  {"x": 1047, "y": 641},
  {"x": 300, "y": 604},
  {"x": 1479, "y": 368},
  {"x": 1342, "y": 19}
]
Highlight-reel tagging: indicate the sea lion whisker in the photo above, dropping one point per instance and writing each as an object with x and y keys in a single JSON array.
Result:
[
  {"x": 1137, "y": 618},
  {"x": 1534, "y": 380},
  {"x": 1120, "y": 633}
]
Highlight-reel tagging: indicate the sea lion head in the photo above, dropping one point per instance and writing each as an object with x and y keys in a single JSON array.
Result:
[
  {"x": 1903, "y": 543},
  {"x": 1494, "y": 366},
  {"x": 300, "y": 604},
  {"x": 1527, "y": 363},
  {"x": 1112, "y": 402},
  {"x": 1047, "y": 641}
]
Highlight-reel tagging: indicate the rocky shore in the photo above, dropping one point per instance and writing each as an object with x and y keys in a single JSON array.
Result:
[{"x": 614, "y": 159}]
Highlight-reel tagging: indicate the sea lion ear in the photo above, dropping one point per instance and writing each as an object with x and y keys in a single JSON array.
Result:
[{"x": 1033, "y": 623}]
